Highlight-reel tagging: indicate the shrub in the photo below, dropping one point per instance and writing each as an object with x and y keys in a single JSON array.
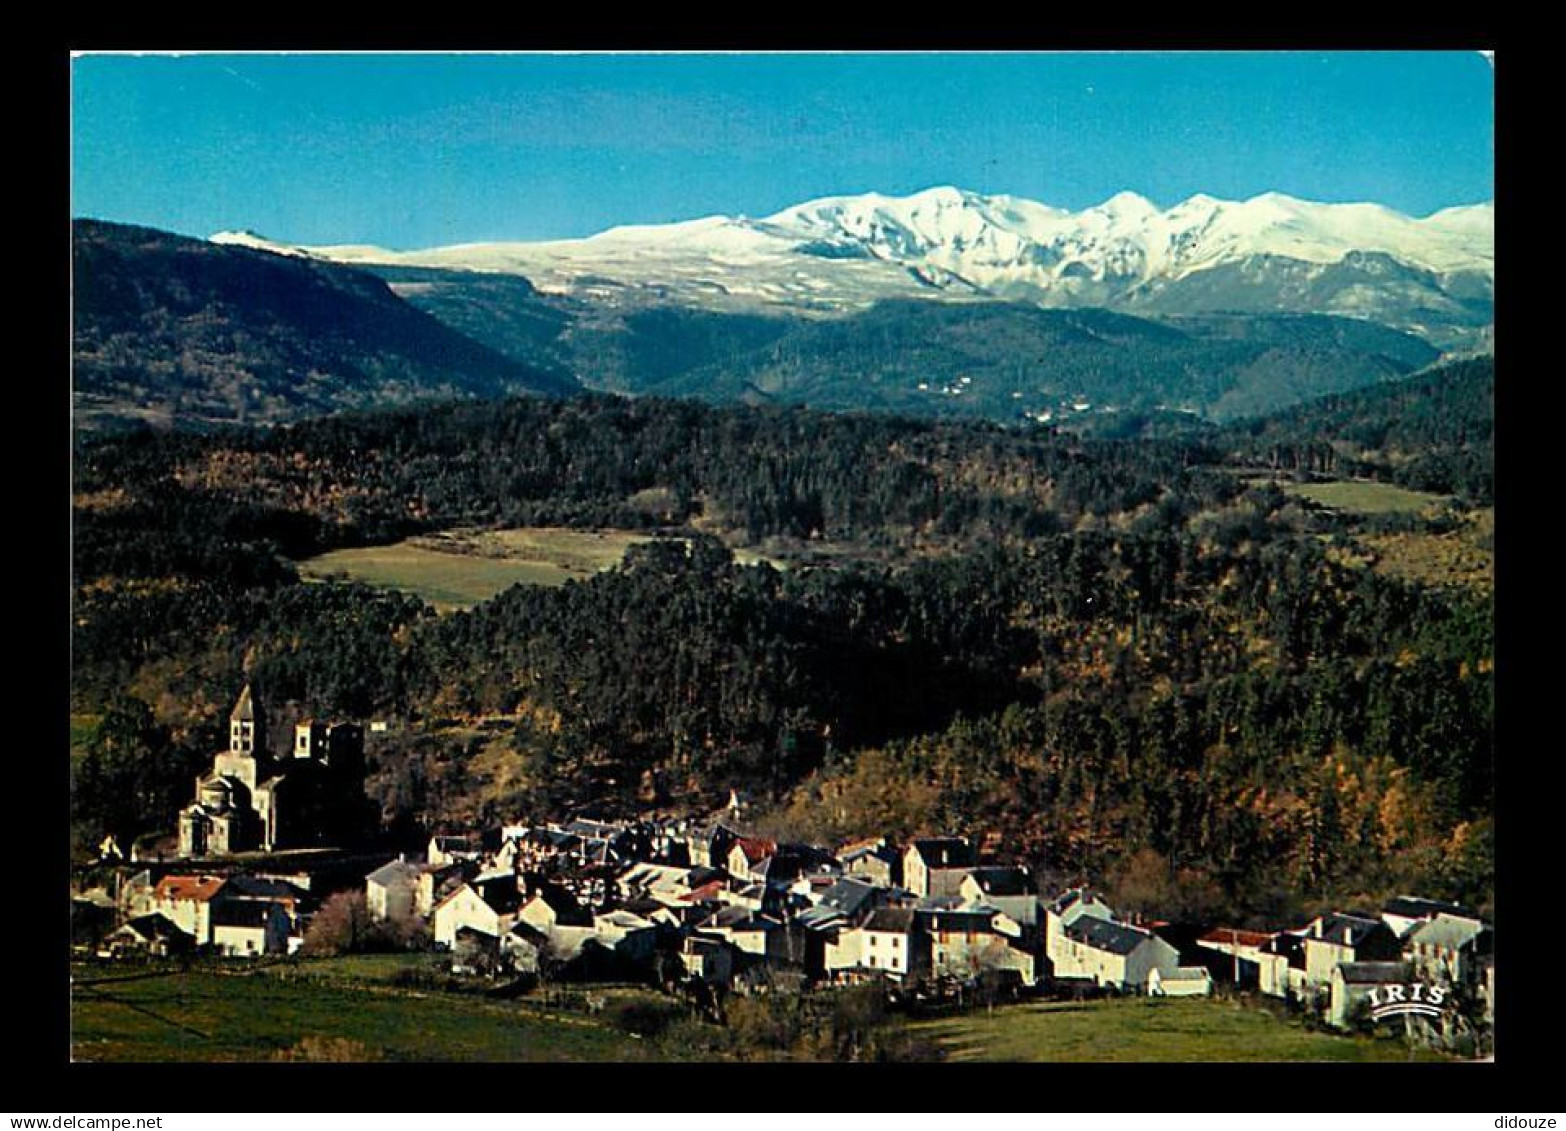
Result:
[{"x": 645, "y": 1017}]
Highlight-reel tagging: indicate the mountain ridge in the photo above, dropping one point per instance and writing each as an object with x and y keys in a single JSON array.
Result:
[
  {"x": 837, "y": 254},
  {"x": 166, "y": 327}
]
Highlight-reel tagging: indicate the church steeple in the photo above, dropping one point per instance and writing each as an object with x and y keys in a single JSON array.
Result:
[{"x": 244, "y": 725}]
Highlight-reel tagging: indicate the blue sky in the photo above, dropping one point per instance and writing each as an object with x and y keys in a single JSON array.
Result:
[{"x": 420, "y": 150}]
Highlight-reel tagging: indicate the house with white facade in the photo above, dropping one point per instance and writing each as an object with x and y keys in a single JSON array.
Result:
[
  {"x": 938, "y": 865},
  {"x": 1111, "y": 954}
]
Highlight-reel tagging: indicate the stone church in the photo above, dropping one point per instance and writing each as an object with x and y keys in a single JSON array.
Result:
[{"x": 252, "y": 801}]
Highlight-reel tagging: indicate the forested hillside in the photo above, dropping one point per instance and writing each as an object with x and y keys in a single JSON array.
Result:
[
  {"x": 1432, "y": 432},
  {"x": 912, "y": 356},
  {"x": 174, "y": 330},
  {"x": 1123, "y": 656}
]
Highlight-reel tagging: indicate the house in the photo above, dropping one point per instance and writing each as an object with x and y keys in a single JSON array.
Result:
[
  {"x": 627, "y": 933},
  {"x": 1006, "y": 889},
  {"x": 706, "y": 959},
  {"x": 1242, "y": 948},
  {"x": 1406, "y": 912},
  {"x": 937, "y": 865},
  {"x": 710, "y": 847},
  {"x": 1352, "y": 983},
  {"x": 1338, "y": 937},
  {"x": 269, "y": 889},
  {"x": 1112, "y": 954},
  {"x": 560, "y": 917},
  {"x": 1182, "y": 981},
  {"x": 1449, "y": 949},
  {"x": 1065, "y": 909},
  {"x": 888, "y": 942},
  {"x": 875, "y": 861},
  {"x": 437, "y": 882},
  {"x": 187, "y": 902},
  {"x": 444, "y": 850},
  {"x": 748, "y": 856},
  {"x": 155, "y": 935},
  {"x": 392, "y": 890},
  {"x": 1280, "y": 966},
  {"x": 490, "y": 906},
  {"x": 249, "y": 928},
  {"x": 965, "y": 941}
]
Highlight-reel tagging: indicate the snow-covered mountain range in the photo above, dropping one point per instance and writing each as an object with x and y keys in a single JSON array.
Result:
[{"x": 1432, "y": 275}]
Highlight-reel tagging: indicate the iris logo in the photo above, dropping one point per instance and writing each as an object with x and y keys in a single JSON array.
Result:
[{"x": 1401, "y": 1000}]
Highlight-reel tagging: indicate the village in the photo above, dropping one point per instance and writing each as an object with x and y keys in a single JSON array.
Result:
[{"x": 704, "y": 906}]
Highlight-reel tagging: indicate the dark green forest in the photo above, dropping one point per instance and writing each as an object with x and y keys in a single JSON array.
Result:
[{"x": 1128, "y": 658}]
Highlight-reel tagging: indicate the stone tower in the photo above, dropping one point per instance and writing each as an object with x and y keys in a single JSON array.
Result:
[{"x": 246, "y": 726}]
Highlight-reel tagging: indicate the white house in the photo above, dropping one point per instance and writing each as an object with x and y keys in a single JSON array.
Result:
[
  {"x": 392, "y": 890},
  {"x": 1182, "y": 981},
  {"x": 1061, "y": 912},
  {"x": 938, "y": 865},
  {"x": 490, "y": 907},
  {"x": 1113, "y": 954},
  {"x": 187, "y": 902},
  {"x": 249, "y": 928}
]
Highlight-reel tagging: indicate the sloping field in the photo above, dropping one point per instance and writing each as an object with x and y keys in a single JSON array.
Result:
[
  {"x": 257, "y": 1015},
  {"x": 459, "y": 569},
  {"x": 1146, "y": 1029},
  {"x": 1359, "y": 497}
]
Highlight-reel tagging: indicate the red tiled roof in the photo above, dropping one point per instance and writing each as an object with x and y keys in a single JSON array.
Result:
[
  {"x": 706, "y": 891},
  {"x": 197, "y": 889},
  {"x": 1234, "y": 935},
  {"x": 756, "y": 849}
]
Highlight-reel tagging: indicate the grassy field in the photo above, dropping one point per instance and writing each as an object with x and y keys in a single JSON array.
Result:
[
  {"x": 254, "y": 1015},
  {"x": 459, "y": 569},
  {"x": 355, "y": 1005},
  {"x": 1364, "y": 498},
  {"x": 1143, "y": 1029}
]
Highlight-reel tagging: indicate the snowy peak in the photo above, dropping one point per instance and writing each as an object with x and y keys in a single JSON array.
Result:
[{"x": 841, "y": 253}]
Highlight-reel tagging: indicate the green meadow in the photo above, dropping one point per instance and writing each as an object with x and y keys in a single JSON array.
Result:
[
  {"x": 352, "y": 1010},
  {"x": 1148, "y": 1029},
  {"x": 460, "y": 569}
]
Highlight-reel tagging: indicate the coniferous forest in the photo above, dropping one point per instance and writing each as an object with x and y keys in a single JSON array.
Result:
[{"x": 1148, "y": 661}]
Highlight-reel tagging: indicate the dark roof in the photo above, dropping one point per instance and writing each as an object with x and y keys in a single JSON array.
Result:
[
  {"x": 1102, "y": 934},
  {"x": 569, "y": 912},
  {"x": 392, "y": 871},
  {"x": 252, "y": 913},
  {"x": 955, "y": 918},
  {"x": 1346, "y": 929},
  {"x": 155, "y": 926},
  {"x": 1071, "y": 895},
  {"x": 848, "y": 896},
  {"x": 878, "y": 849},
  {"x": 898, "y": 919},
  {"x": 1415, "y": 907},
  {"x": 1002, "y": 881},
  {"x": 944, "y": 852},
  {"x": 259, "y": 887},
  {"x": 502, "y": 893}
]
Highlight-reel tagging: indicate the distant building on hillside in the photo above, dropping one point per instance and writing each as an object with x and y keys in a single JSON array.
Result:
[{"x": 251, "y": 801}]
